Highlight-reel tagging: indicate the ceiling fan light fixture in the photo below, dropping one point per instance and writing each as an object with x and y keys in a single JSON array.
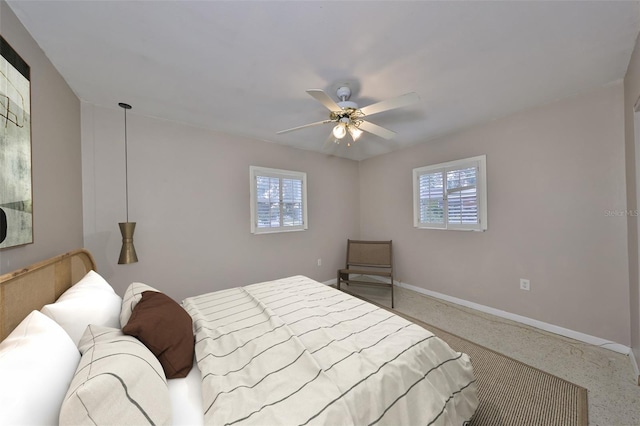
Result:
[
  {"x": 354, "y": 131},
  {"x": 339, "y": 131},
  {"x": 347, "y": 117}
]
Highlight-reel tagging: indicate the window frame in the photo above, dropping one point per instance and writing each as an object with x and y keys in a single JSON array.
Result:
[
  {"x": 254, "y": 172},
  {"x": 480, "y": 162}
]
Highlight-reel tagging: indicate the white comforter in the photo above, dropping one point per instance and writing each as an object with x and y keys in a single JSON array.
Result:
[{"x": 296, "y": 352}]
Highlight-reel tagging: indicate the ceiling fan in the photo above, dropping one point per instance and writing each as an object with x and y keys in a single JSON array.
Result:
[{"x": 349, "y": 118}]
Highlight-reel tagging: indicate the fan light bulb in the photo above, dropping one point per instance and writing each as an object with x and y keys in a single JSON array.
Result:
[
  {"x": 339, "y": 131},
  {"x": 354, "y": 132}
]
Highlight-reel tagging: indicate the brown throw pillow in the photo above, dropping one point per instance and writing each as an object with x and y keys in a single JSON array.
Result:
[{"x": 166, "y": 329}]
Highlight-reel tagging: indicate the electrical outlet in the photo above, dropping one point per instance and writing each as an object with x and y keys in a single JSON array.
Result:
[
  {"x": 525, "y": 284},
  {"x": 319, "y": 262}
]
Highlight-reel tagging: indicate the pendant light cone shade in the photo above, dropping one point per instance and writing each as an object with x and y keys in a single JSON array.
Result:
[{"x": 128, "y": 251}]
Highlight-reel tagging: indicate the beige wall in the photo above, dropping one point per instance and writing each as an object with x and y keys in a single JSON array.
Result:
[
  {"x": 56, "y": 158},
  {"x": 189, "y": 194},
  {"x": 552, "y": 174},
  {"x": 631, "y": 95}
]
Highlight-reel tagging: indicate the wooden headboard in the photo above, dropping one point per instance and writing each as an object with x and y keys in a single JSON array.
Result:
[{"x": 31, "y": 288}]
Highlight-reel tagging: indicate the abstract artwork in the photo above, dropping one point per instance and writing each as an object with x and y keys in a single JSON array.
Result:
[{"x": 16, "y": 205}]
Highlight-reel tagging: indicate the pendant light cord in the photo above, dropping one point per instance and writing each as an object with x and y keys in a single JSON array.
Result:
[{"x": 126, "y": 163}]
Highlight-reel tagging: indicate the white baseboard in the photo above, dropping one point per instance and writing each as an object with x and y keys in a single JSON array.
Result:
[
  {"x": 634, "y": 364},
  {"x": 586, "y": 338}
]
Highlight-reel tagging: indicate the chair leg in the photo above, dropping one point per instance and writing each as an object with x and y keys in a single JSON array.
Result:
[
  {"x": 392, "y": 292},
  {"x": 338, "y": 282}
]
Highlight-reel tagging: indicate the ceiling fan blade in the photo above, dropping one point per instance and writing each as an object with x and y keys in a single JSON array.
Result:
[
  {"x": 367, "y": 126},
  {"x": 320, "y": 96},
  {"x": 302, "y": 127},
  {"x": 399, "y": 102}
]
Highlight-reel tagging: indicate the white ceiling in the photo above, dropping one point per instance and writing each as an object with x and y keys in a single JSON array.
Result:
[{"x": 243, "y": 67}]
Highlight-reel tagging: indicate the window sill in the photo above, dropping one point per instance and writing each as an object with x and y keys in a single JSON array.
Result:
[
  {"x": 278, "y": 231},
  {"x": 451, "y": 229}
]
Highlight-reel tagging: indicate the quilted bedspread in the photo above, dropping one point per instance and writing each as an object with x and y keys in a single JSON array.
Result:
[{"x": 296, "y": 352}]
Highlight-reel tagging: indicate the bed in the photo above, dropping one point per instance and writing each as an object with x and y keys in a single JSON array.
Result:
[{"x": 283, "y": 352}]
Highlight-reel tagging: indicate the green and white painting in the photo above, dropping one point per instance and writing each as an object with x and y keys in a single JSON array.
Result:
[{"x": 16, "y": 205}]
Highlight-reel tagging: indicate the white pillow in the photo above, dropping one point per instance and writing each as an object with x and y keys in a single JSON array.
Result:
[
  {"x": 91, "y": 301},
  {"x": 91, "y": 281},
  {"x": 132, "y": 296},
  {"x": 37, "y": 362},
  {"x": 118, "y": 381}
]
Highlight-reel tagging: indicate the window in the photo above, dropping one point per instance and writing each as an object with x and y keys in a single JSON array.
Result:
[
  {"x": 451, "y": 195},
  {"x": 278, "y": 200}
]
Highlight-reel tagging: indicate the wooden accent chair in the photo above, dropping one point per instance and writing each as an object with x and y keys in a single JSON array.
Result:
[{"x": 368, "y": 259}]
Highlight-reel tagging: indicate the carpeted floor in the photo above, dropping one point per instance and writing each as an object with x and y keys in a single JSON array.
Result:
[{"x": 514, "y": 393}]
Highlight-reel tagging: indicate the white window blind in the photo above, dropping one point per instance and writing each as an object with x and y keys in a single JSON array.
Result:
[
  {"x": 451, "y": 195},
  {"x": 432, "y": 198},
  {"x": 278, "y": 200}
]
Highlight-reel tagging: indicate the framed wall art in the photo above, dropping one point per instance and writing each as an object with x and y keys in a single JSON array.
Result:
[{"x": 16, "y": 195}]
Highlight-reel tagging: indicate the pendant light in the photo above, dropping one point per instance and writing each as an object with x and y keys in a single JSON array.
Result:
[{"x": 128, "y": 251}]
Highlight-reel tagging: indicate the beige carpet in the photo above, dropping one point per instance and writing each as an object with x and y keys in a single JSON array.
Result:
[{"x": 514, "y": 393}]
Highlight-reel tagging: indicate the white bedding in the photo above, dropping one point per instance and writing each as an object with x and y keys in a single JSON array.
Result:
[
  {"x": 294, "y": 351},
  {"x": 186, "y": 399}
]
